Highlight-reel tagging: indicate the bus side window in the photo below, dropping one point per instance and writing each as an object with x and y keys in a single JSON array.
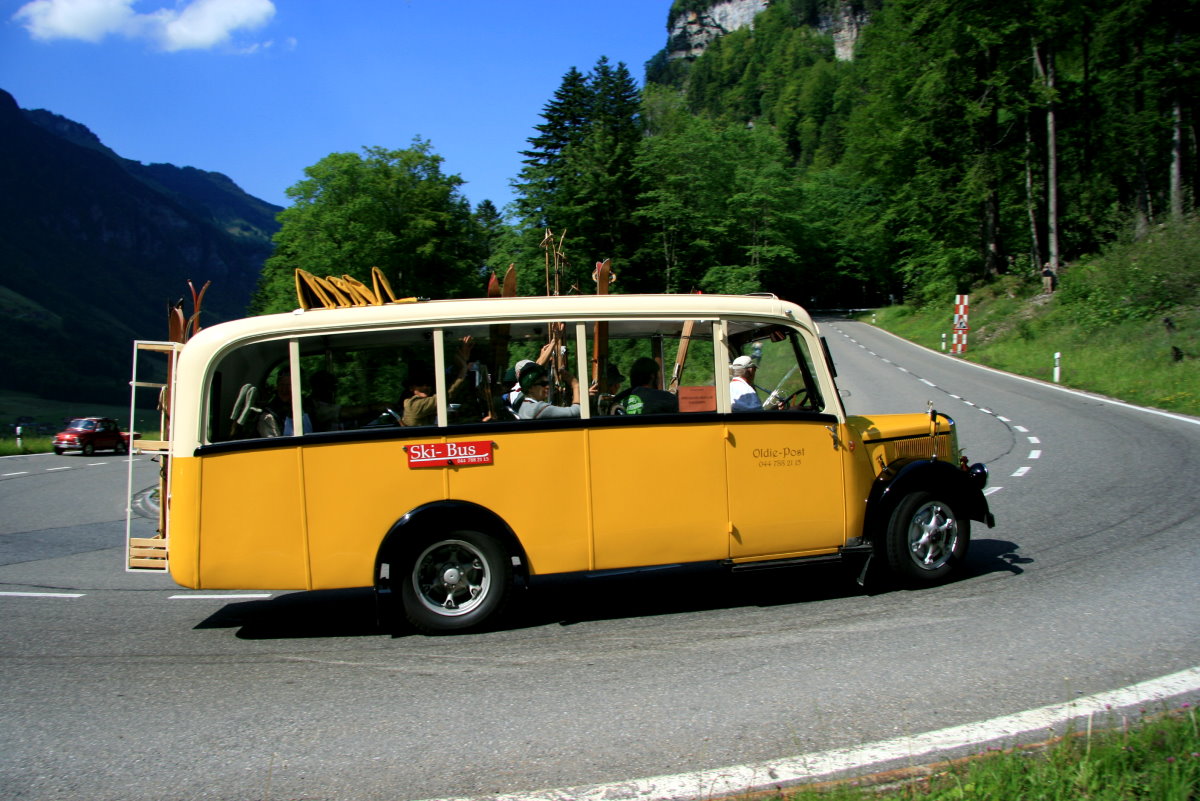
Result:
[
  {"x": 363, "y": 380},
  {"x": 240, "y": 390},
  {"x": 776, "y": 365},
  {"x": 654, "y": 367}
]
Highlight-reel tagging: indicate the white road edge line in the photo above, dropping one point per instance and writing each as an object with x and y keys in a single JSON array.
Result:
[
  {"x": 769, "y": 775},
  {"x": 42, "y": 594}
]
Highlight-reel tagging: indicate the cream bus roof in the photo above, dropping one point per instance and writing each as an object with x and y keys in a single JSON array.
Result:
[{"x": 491, "y": 310}]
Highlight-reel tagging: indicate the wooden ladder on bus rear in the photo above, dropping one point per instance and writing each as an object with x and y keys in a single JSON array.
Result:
[{"x": 150, "y": 553}]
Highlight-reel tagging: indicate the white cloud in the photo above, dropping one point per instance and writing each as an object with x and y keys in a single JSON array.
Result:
[
  {"x": 202, "y": 24},
  {"x": 193, "y": 25},
  {"x": 90, "y": 20}
]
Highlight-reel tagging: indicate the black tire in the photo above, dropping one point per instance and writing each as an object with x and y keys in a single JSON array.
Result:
[
  {"x": 120, "y": 448},
  {"x": 926, "y": 539},
  {"x": 58, "y": 451},
  {"x": 455, "y": 582},
  {"x": 89, "y": 449}
]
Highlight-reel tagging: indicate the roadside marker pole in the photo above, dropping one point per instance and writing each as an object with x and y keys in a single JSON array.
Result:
[
  {"x": 1057, "y": 365},
  {"x": 962, "y": 308}
]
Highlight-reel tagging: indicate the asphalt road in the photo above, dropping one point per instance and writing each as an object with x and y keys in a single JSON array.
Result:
[{"x": 122, "y": 686}]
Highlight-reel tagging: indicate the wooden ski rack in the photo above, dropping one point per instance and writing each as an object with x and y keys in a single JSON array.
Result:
[{"x": 341, "y": 292}]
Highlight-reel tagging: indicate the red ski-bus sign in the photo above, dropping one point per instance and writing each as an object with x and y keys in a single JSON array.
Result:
[{"x": 449, "y": 454}]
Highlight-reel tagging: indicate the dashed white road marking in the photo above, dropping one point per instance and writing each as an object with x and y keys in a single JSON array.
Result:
[
  {"x": 1033, "y": 453},
  {"x": 42, "y": 594},
  {"x": 52, "y": 469},
  {"x": 21, "y": 473}
]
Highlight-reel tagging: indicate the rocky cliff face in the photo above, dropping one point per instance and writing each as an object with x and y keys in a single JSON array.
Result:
[
  {"x": 695, "y": 28},
  {"x": 845, "y": 22}
]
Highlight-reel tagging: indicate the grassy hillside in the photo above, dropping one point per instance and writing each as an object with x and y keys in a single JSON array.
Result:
[{"x": 1127, "y": 322}]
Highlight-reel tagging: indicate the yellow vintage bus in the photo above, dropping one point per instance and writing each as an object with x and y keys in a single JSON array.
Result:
[{"x": 379, "y": 446}]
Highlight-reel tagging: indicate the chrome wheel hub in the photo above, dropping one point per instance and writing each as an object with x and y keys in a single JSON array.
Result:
[
  {"x": 932, "y": 535},
  {"x": 451, "y": 577}
]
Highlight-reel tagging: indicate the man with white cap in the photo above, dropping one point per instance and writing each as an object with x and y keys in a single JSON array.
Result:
[{"x": 742, "y": 394}]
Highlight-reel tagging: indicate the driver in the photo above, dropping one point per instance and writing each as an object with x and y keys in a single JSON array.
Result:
[{"x": 743, "y": 395}]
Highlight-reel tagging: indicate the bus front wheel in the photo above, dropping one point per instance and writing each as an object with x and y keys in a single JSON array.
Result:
[
  {"x": 926, "y": 540},
  {"x": 456, "y": 581}
]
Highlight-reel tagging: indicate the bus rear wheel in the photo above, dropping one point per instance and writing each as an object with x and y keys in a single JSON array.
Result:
[{"x": 455, "y": 582}]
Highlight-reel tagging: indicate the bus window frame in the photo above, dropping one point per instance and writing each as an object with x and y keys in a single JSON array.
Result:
[{"x": 724, "y": 345}]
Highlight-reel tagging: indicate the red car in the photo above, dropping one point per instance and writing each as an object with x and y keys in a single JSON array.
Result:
[{"x": 91, "y": 434}]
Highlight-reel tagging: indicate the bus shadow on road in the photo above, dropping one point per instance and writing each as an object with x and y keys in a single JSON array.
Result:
[
  {"x": 994, "y": 556},
  {"x": 575, "y": 598},
  {"x": 298, "y": 615},
  {"x": 648, "y": 594}
]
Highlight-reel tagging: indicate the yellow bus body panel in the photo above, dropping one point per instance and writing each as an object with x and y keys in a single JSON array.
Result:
[
  {"x": 537, "y": 485},
  {"x": 184, "y": 516},
  {"x": 358, "y": 491},
  {"x": 786, "y": 491},
  {"x": 658, "y": 495},
  {"x": 252, "y": 521},
  {"x": 355, "y": 493}
]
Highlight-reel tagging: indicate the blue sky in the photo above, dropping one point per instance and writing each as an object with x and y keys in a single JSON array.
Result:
[{"x": 260, "y": 89}]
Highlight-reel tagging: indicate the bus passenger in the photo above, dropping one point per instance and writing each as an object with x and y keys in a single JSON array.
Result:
[
  {"x": 643, "y": 395},
  {"x": 276, "y": 419},
  {"x": 604, "y": 397},
  {"x": 514, "y": 396},
  {"x": 420, "y": 409},
  {"x": 535, "y": 384},
  {"x": 743, "y": 394}
]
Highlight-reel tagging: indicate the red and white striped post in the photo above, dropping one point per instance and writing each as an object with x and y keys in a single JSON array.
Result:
[{"x": 962, "y": 307}]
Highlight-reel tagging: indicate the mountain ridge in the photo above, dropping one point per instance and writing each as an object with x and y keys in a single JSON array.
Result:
[{"x": 93, "y": 246}]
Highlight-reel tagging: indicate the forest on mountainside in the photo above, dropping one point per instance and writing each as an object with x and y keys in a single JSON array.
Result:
[{"x": 963, "y": 142}]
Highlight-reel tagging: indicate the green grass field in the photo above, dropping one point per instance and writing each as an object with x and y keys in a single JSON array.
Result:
[
  {"x": 1145, "y": 362},
  {"x": 52, "y": 414}
]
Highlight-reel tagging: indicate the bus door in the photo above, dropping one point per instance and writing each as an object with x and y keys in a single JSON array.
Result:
[
  {"x": 656, "y": 461},
  {"x": 786, "y": 489}
]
